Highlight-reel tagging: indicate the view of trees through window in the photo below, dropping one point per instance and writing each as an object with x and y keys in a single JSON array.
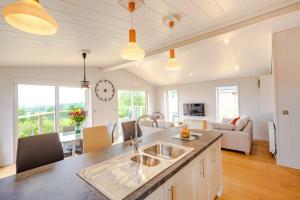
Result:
[
  {"x": 131, "y": 104},
  {"x": 37, "y": 109}
]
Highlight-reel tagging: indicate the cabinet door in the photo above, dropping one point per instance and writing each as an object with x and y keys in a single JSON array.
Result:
[
  {"x": 182, "y": 185},
  {"x": 158, "y": 194},
  {"x": 214, "y": 162},
  {"x": 202, "y": 174}
]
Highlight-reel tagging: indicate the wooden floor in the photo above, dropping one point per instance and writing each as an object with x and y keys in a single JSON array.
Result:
[
  {"x": 257, "y": 177},
  {"x": 254, "y": 177}
]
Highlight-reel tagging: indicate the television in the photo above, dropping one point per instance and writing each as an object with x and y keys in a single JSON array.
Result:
[{"x": 193, "y": 109}]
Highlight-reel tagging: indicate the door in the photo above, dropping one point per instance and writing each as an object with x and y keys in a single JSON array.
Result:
[{"x": 182, "y": 186}]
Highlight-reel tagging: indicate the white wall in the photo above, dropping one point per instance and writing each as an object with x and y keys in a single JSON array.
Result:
[
  {"x": 103, "y": 112},
  {"x": 287, "y": 76},
  {"x": 205, "y": 92}
]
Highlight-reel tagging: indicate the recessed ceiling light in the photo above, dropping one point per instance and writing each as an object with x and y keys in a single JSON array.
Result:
[
  {"x": 237, "y": 67},
  {"x": 226, "y": 41},
  {"x": 191, "y": 74},
  {"x": 158, "y": 79}
]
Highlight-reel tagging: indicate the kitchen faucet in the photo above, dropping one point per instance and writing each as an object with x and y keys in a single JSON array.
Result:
[{"x": 135, "y": 142}]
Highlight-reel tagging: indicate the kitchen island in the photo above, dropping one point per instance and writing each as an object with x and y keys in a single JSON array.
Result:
[{"x": 197, "y": 175}]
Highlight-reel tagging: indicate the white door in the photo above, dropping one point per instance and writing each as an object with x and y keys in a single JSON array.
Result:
[
  {"x": 182, "y": 186},
  {"x": 287, "y": 72}
]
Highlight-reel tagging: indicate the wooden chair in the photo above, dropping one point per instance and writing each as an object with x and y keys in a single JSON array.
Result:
[
  {"x": 129, "y": 130},
  {"x": 95, "y": 138},
  {"x": 38, "y": 150}
]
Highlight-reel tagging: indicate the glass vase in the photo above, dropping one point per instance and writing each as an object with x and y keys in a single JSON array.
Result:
[{"x": 78, "y": 129}]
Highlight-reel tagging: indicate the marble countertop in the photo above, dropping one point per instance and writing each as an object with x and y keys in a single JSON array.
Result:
[{"x": 60, "y": 180}]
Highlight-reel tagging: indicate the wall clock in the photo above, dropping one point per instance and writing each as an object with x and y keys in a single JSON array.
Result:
[{"x": 105, "y": 90}]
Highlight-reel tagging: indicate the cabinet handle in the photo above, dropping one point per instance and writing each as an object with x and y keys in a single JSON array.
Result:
[
  {"x": 213, "y": 155},
  {"x": 202, "y": 169},
  {"x": 173, "y": 192}
]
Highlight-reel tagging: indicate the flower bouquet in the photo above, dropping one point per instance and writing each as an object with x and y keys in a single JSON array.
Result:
[{"x": 77, "y": 116}]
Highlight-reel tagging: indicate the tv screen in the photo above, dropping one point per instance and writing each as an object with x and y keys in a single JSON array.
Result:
[{"x": 193, "y": 109}]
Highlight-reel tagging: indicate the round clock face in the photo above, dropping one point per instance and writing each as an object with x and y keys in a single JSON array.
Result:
[{"x": 105, "y": 90}]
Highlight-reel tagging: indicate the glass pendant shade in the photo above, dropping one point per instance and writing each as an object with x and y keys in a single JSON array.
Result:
[
  {"x": 173, "y": 64},
  {"x": 29, "y": 16},
  {"x": 132, "y": 51}
]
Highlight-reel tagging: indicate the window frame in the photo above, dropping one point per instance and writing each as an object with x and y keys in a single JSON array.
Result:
[
  {"x": 56, "y": 101},
  {"x": 217, "y": 98}
]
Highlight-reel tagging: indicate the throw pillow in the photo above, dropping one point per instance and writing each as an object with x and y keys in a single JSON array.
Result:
[
  {"x": 221, "y": 126},
  {"x": 241, "y": 123},
  {"x": 233, "y": 121}
]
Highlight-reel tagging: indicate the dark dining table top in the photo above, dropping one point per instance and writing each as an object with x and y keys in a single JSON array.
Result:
[{"x": 59, "y": 181}]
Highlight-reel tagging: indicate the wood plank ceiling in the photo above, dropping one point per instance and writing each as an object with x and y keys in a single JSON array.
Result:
[{"x": 102, "y": 27}]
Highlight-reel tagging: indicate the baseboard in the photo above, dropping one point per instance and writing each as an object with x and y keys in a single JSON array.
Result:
[
  {"x": 261, "y": 138},
  {"x": 288, "y": 164}
]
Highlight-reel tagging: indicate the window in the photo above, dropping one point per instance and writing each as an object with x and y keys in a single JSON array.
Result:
[
  {"x": 44, "y": 109},
  {"x": 227, "y": 102},
  {"x": 69, "y": 99},
  {"x": 172, "y": 106},
  {"x": 131, "y": 104},
  {"x": 36, "y": 105}
]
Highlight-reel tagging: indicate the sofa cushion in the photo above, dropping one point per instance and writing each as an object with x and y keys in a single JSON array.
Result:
[
  {"x": 241, "y": 123},
  {"x": 226, "y": 120},
  {"x": 221, "y": 126}
]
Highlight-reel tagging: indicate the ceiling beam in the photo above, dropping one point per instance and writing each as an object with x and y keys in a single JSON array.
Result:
[{"x": 203, "y": 36}]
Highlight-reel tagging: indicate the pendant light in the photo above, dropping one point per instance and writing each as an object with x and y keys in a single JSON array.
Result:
[
  {"x": 132, "y": 51},
  {"x": 172, "y": 64},
  {"x": 31, "y": 17},
  {"x": 84, "y": 84}
]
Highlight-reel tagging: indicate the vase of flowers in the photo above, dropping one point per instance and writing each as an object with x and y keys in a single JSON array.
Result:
[{"x": 78, "y": 116}]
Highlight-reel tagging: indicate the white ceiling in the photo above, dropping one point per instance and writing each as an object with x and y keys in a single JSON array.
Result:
[
  {"x": 102, "y": 26},
  {"x": 248, "y": 53}
]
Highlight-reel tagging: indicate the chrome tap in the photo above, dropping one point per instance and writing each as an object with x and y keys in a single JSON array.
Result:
[{"x": 135, "y": 142}]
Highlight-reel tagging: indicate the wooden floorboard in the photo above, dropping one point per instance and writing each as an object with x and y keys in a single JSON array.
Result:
[
  {"x": 253, "y": 177},
  {"x": 257, "y": 177}
]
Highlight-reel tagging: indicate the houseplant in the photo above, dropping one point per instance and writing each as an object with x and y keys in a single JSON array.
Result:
[{"x": 78, "y": 116}]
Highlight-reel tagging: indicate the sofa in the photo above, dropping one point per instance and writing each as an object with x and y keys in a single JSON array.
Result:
[
  {"x": 149, "y": 127},
  {"x": 238, "y": 140}
]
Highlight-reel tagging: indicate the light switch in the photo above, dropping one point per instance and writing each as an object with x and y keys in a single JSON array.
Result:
[{"x": 285, "y": 112}]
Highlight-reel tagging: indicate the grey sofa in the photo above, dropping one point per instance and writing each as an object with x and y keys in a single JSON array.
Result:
[{"x": 238, "y": 140}]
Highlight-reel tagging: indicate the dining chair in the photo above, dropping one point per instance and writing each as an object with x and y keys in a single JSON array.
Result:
[
  {"x": 111, "y": 129},
  {"x": 95, "y": 138},
  {"x": 38, "y": 150},
  {"x": 129, "y": 130}
]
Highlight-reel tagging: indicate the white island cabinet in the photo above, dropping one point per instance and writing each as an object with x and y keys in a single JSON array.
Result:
[{"x": 199, "y": 180}]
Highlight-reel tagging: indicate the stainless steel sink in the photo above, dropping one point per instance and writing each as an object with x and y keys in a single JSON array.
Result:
[
  {"x": 165, "y": 151},
  {"x": 145, "y": 160}
]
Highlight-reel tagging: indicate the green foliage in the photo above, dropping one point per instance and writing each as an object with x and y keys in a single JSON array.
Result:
[
  {"x": 124, "y": 103},
  {"x": 29, "y": 125}
]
